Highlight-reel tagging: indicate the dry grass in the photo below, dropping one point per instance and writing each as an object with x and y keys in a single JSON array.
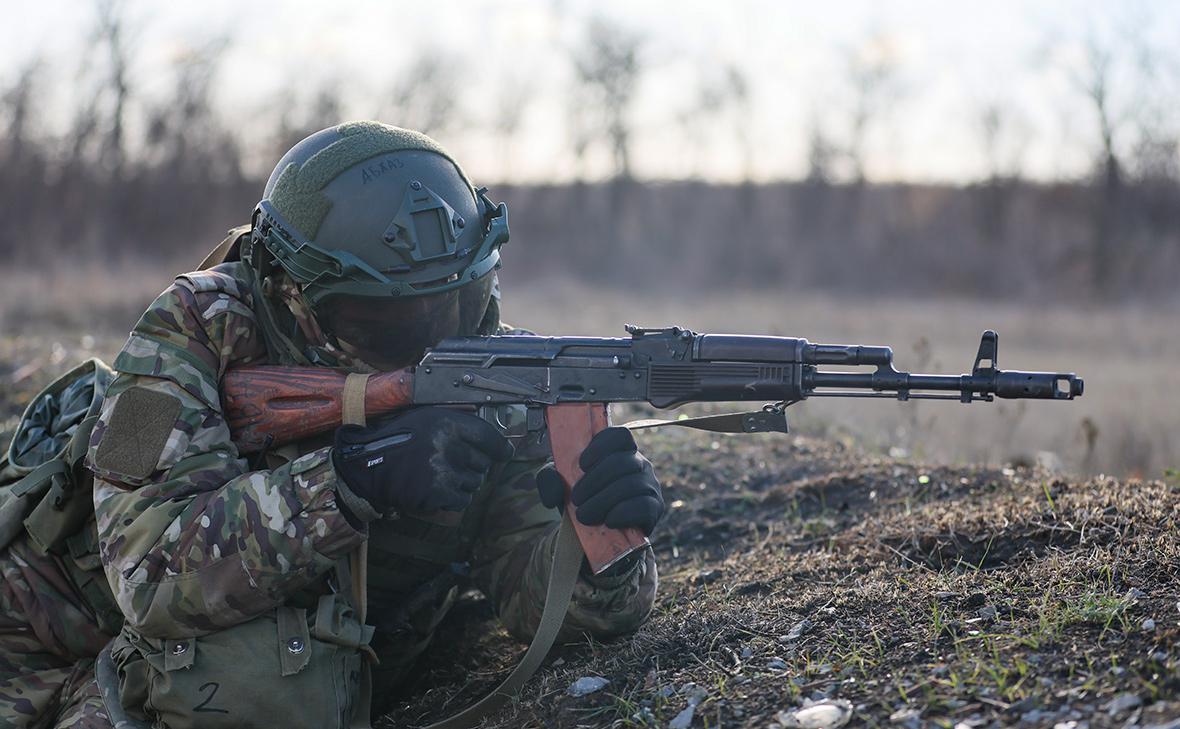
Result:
[{"x": 795, "y": 569}]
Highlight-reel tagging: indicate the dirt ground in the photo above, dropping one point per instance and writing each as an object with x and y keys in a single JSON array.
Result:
[{"x": 795, "y": 569}]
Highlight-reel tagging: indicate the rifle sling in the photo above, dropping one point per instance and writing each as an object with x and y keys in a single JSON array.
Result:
[
  {"x": 567, "y": 562},
  {"x": 563, "y": 574},
  {"x": 754, "y": 421}
]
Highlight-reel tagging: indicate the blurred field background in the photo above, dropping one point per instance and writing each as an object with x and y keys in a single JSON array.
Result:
[{"x": 904, "y": 174}]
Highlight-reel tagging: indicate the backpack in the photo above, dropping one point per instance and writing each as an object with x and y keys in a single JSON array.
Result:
[{"x": 44, "y": 488}]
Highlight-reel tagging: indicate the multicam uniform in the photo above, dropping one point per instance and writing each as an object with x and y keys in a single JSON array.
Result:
[{"x": 195, "y": 539}]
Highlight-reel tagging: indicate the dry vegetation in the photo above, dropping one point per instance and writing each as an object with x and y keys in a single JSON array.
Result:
[
  {"x": 816, "y": 565},
  {"x": 798, "y": 569}
]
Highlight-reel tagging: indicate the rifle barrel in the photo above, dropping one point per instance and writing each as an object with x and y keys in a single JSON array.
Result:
[{"x": 1001, "y": 383}]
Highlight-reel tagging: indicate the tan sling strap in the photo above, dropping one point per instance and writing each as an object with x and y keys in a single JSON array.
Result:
[
  {"x": 218, "y": 254},
  {"x": 358, "y": 561},
  {"x": 354, "y": 398},
  {"x": 354, "y": 414},
  {"x": 563, "y": 575}
]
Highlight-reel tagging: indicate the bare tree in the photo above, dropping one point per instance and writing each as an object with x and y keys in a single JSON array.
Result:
[
  {"x": 425, "y": 96},
  {"x": 16, "y": 109},
  {"x": 1003, "y": 139},
  {"x": 821, "y": 155},
  {"x": 512, "y": 100},
  {"x": 184, "y": 132},
  {"x": 873, "y": 75},
  {"x": 111, "y": 39},
  {"x": 1096, "y": 82},
  {"x": 303, "y": 114},
  {"x": 607, "y": 67},
  {"x": 722, "y": 98}
]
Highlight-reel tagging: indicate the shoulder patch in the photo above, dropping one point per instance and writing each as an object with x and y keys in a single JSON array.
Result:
[{"x": 137, "y": 432}]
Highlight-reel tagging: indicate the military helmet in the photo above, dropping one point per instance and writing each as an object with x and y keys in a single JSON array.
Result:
[{"x": 383, "y": 233}]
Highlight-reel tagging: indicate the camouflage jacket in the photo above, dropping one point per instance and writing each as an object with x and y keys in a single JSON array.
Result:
[{"x": 193, "y": 539}]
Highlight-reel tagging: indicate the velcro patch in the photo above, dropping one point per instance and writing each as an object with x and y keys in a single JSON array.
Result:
[{"x": 137, "y": 432}]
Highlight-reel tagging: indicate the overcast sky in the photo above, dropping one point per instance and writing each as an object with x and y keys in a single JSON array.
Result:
[{"x": 952, "y": 59}]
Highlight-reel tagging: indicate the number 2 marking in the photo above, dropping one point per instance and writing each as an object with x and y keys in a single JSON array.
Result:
[{"x": 204, "y": 705}]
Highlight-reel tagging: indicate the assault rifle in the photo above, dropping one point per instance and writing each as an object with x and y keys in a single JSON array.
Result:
[{"x": 533, "y": 387}]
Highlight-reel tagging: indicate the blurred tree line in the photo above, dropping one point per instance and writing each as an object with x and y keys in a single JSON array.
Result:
[{"x": 166, "y": 181}]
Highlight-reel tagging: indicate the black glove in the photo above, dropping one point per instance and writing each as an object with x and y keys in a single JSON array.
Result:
[
  {"x": 424, "y": 460},
  {"x": 618, "y": 487}
]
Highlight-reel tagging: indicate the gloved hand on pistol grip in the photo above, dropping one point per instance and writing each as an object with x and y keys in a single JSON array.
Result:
[
  {"x": 618, "y": 487},
  {"x": 423, "y": 460}
]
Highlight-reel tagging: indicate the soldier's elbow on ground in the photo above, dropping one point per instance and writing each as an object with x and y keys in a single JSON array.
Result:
[{"x": 615, "y": 606}]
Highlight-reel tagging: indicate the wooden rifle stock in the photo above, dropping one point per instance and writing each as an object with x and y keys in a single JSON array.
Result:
[{"x": 268, "y": 407}]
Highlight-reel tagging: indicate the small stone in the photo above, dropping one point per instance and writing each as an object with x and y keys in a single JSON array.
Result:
[
  {"x": 644, "y": 717},
  {"x": 1028, "y": 703},
  {"x": 1135, "y": 593},
  {"x": 1121, "y": 703},
  {"x": 777, "y": 664},
  {"x": 747, "y": 652},
  {"x": 696, "y": 694},
  {"x": 906, "y": 717},
  {"x": 704, "y": 577},
  {"x": 987, "y": 612},
  {"x": 799, "y": 629},
  {"x": 683, "y": 720},
  {"x": 1147, "y": 624},
  {"x": 975, "y": 599},
  {"x": 587, "y": 685},
  {"x": 825, "y": 714},
  {"x": 943, "y": 596},
  {"x": 1037, "y": 716}
]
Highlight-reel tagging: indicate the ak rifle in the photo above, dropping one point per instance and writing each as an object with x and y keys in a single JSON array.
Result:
[{"x": 559, "y": 388}]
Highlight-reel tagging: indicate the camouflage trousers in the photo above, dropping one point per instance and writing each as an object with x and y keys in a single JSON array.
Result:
[{"x": 48, "y": 640}]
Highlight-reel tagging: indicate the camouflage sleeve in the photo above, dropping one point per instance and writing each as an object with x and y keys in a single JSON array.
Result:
[
  {"x": 191, "y": 539},
  {"x": 513, "y": 556}
]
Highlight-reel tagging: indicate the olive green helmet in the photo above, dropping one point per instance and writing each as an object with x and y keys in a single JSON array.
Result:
[
  {"x": 379, "y": 226},
  {"x": 369, "y": 209}
]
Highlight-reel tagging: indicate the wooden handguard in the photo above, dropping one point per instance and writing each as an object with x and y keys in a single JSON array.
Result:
[{"x": 270, "y": 406}]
